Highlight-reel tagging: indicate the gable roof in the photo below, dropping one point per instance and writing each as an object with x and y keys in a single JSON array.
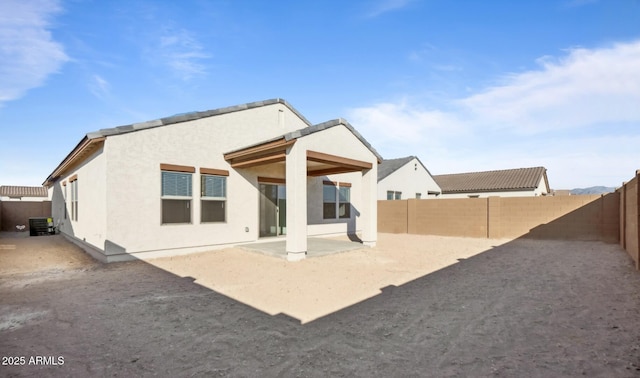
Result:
[
  {"x": 490, "y": 181},
  {"x": 93, "y": 140},
  {"x": 23, "y": 191},
  {"x": 388, "y": 166},
  {"x": 191, "y": 116},
  {"x": 314, "y": 129}
]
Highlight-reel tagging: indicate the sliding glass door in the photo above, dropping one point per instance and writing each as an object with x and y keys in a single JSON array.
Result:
[{"x": 273, "y": 210}]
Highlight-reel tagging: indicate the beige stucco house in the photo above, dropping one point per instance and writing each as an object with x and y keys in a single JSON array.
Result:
[
  {"x": 203, "y": 180},
  {"x": 519, "y": 182},
  {"x": 405, "y": 178}
]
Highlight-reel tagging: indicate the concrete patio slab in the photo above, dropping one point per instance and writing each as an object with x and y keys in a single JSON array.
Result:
[{"x": 316, "y": 247}]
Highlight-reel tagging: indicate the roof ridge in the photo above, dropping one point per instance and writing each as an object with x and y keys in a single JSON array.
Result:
[
  {"x": 190, "y": 116},
  {"x": 491, "y": 171}
]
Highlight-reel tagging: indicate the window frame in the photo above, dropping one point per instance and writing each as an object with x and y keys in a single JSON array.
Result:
[
  {"x": 64, "y": 183},
  {"x": 188, "y": 199},
  {"x": 335, "y": 200},
  {"x": 205, "y": 198},
  {"x": 395, "y": 195},
  {"x": 73, "y": 182}
]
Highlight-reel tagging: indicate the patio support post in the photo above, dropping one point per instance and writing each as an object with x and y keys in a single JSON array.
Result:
[
  {"x": 296, "y": 175},
  {"x": 369, "y": 211}
]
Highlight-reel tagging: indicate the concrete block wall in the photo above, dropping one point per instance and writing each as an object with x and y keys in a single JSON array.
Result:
[
  {"x": 13, "y": 213},
  {"x": 392, "y": 217},
  {"x": 566, "y": 218},
  {"x": 629, "y": 218},
  {"x": 585, "y": 217},
  {"x": 449, "y": 217}
]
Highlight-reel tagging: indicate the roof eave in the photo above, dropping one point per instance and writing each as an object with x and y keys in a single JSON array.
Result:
[{"x": 76, "y": 155}]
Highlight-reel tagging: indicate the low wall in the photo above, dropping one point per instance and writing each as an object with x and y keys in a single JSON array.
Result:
[
  {"x": 588, "y": 217},
  {"x": 629, "y": 218},
  {"x": 13, "y": 213}
]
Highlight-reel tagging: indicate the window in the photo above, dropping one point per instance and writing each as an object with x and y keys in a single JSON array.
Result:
[
  {"x": 329, "y": 201},
  {"x": 344, "y": 202},
  {"x": 336, "y": 200},
  {"x": 418, "y": 195},
  {"x": 213, "y": 191},
  {"x": 65, "y": 199},
  {"x": 176, "y": 197},
  {"x": 391, "y": 195},
  {"x": 74, "y": 197}
]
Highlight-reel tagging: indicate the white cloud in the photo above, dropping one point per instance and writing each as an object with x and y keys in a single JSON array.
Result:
[
  {"x": 183, "y": 53},
  {"x": 572, "y": 115},
  {"x": 28, "y": 53},
  {"x": 401, "y": 124},
  {"x": 384, "y": 6},
  {"x": 587, "y": 87}
]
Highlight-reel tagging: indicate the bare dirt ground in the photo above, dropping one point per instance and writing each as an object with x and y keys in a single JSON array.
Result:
[{"x": 448, "y": 307}]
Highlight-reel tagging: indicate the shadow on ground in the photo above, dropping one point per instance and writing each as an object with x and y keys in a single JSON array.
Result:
[{"x": 525, "y": 308}]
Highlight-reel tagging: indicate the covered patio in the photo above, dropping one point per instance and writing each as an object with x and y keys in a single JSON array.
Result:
[
  {"x": 316, "y": 247},
  {"x": 320, "y": 151}
]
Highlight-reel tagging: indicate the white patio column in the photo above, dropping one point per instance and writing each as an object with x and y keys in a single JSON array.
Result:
[
  {"x": 369, "y": 211},
  {"x": 296, "y": 186}
]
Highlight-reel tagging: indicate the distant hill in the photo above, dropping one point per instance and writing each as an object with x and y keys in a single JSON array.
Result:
[{"x": 593, "y": 190}]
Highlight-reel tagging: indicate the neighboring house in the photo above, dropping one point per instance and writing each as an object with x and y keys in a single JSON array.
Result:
[
  {"x": 223, "y": 177},
  {"x": 405, "y": 178},
  {"x": 23, "y": 193},
  {"x": 521, "y": 182}
]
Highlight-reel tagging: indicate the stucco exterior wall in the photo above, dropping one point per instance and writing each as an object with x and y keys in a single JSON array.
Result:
[
  {"x": 90, "y": 227},
  {"x": 134, "y": 178},
  {"x": 120, "y": 192},
  {"x": 409, "y": 179}
]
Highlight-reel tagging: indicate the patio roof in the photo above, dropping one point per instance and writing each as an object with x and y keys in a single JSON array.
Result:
[{"x": 318, "y": 163}]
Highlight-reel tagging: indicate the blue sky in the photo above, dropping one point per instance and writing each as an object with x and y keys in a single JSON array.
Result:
[{"x": 464, "y": 85}]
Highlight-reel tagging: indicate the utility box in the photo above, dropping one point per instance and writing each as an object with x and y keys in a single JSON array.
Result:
[{"x": 40, "y": 226}]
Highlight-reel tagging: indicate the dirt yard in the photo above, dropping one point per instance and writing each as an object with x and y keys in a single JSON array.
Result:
[{"x": 413, "y": 306}]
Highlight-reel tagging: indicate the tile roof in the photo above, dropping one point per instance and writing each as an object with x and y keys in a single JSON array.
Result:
[
  {"x": 327, "y": 125},
  {"x": 184, "y": 117},
  {"x": 489, "y": 181},
  {"x": 23, "y": 191},
  {"x": 389, "y": 166}
]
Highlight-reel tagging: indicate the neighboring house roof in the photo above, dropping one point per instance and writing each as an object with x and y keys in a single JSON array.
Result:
[
  {"x": 93, "y": 139},
  {"x": 388, "y": 166},
  {"x": 23, "y": 191},
  {"x": 490, "y": 181}
]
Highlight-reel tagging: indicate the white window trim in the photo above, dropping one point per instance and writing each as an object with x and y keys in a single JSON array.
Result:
[
  {"x": 181, "y": 198},
  {"x": 218, "y": 199}
]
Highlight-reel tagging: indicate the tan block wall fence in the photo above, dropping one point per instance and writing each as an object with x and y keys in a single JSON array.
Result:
[
  {"x": 630, "y": 218},
  {"x": 611, "y": 218},
  {"x": 584, "y": 217},
  {"x": 13, "y": 213}
]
